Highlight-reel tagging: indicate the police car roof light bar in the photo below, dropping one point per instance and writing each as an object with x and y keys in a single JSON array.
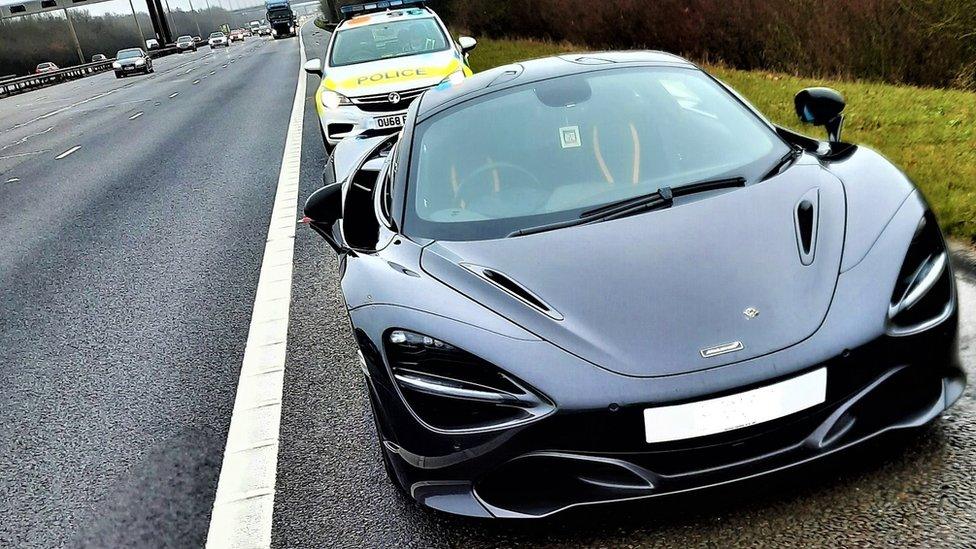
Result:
[{"x": 352, "y": 10}]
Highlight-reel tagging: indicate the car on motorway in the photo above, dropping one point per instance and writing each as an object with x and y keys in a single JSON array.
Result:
[
  {"x": 185, "y": 43},
  {"x": 237, "y": 35},
  {"x": 132, "y": 60},
  {"x": 377, "y": 62},
  {"x": 264, "y": 30},
  {"x": 218, "y": 40},
  {"x": 98, "y": 57},
  {"x": 46, "y": 67},
  {"x": 649, "y": 289}
]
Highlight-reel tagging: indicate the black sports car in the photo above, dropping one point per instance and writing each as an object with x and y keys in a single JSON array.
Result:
[{"x": 603, "y": 277}]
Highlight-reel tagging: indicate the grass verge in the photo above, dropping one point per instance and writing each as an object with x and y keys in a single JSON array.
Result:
[{"x": 929, "y": 133}]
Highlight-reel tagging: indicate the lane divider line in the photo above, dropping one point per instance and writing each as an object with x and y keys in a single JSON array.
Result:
[
  {"x": 136, "y": 115},
  {"x": 21, "y": 155},
  {"x": 67, "y": 152},
  {"x": 174, "y": 94},
  {"x": 244, "y": 502},
  {"x": 61, "y": 110}
]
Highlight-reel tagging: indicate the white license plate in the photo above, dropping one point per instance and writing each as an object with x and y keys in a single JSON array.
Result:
[
  {"x": 395, "y": 121},
  {"x": 718, "y": 415}
]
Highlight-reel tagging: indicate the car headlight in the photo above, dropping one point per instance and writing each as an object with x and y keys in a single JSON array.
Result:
[
  {"x": 140, "y": 62},
  {"x": 454, "y": 78},
  {"x": 331, "y": 99},
  {"x": 450, "y": 389},
  {"x": 116, "y": 65},
  {"x": 924, "y": 293}
]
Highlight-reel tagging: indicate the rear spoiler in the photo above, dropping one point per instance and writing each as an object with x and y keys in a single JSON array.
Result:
[{"x": 352, "y": 10}]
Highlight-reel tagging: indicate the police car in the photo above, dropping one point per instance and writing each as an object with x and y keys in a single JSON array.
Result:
[{"x": 380, "y": 58}]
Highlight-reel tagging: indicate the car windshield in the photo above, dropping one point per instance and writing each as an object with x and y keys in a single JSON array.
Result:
[
  {"x": 384, "y": 41},
  {"x": 547, "y": 151},
  {"x": 184, "y": 39},
  {"x": 216, "y": 35},
  {"x": 45, "y": 65},
  {"x": 128, "y": 54}
]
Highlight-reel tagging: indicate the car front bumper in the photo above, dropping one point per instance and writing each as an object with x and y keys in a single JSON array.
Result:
[
  {"x": 587, "y": 453},
  {"x": 127, "y": 69},
  {"x": 347, "y": 120}
]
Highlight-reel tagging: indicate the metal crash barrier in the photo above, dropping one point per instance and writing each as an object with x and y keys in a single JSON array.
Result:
[{"x": 20, "y": 84}]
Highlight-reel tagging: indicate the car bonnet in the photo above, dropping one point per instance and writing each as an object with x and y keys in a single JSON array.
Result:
[
  {"x": 702, "y": 284},
  {"x": 395, "y": 74}
]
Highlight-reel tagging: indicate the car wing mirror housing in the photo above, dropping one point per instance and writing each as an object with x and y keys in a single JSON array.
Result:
[
  {"x": 314, "y": 66},
  {"x": 467, "y": 43},
  {"x": 821, "y": 107},
  {"x": 323, "y": 210}
]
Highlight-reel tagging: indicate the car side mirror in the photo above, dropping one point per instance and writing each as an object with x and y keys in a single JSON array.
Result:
[
  {"x": 821, "y": 107},
  {"x": 314, "y": 66},
  {"x": 323, "y": 209},
  {"x": 467, "y": 43}
]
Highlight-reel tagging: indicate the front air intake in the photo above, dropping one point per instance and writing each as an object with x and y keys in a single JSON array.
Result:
[
  {"x": 450, "y": 389},
  {"x": 924, "y": 293}
]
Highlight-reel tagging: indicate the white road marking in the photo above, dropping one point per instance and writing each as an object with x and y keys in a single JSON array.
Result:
[
  {"x": 24, "y": 139},
  {"x": 20, "y": 155},
  {"x": 136, "y": 115},
  {"x": 213, "y": 72},
  {"x": 197, "y": 81},
  {"x": 13, "y": 180},
  {"x": 61, "y": 110},
  {"x": 244, "y": 502},
  {"x": 174, "y": 94},
  {"x": 67, "y": 152}
]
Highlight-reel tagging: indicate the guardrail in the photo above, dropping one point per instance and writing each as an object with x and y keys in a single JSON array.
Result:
[{"x": 20, "y": 84}]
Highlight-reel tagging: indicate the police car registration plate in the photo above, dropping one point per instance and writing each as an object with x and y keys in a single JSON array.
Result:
[{"x": 394, "y": 121}]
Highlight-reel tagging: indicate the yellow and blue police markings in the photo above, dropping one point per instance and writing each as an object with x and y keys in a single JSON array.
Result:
[{"x": 413, "y": 69}]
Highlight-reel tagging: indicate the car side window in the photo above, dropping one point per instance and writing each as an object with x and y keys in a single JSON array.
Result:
[{"x": 384, "y": 199}]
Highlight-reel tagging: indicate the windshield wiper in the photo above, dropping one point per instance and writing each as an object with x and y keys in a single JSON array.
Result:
[
  {"x": 659, "y": 199},
  {"x": 783, "y": 162}
]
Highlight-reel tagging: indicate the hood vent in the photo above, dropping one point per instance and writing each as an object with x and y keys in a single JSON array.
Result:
[
  {"x": 520, "y": 292},
  {"x": 805, "y": 217}
]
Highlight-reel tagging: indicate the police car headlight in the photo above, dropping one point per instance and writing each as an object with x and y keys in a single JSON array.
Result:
[
  {"x": 454, "y": 78},
  {"x": 116, "y": 65},
  {"x": 331, "y": 99}
]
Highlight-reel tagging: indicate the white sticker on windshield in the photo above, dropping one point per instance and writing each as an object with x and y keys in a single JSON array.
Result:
[{"x": 569, "y": 137}]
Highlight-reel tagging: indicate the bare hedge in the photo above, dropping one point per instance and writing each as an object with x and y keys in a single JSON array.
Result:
[{"x": 925, "y": 42}]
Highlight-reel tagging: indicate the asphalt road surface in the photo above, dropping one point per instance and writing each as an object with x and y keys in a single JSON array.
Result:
[{"x": 134, "y": 215}]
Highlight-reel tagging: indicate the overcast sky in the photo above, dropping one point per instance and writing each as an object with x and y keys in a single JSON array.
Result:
[{"x": 122, "y": 6}]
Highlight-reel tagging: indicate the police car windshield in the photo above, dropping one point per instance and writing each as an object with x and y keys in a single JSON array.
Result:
[
  {"x": 128, "y": 54},
  {"x": 362, "y": 44},
  {"x": 480, "y": 171}
]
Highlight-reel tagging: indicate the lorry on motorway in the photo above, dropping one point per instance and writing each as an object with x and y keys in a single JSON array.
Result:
[{"x": 281, "y": 18}]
